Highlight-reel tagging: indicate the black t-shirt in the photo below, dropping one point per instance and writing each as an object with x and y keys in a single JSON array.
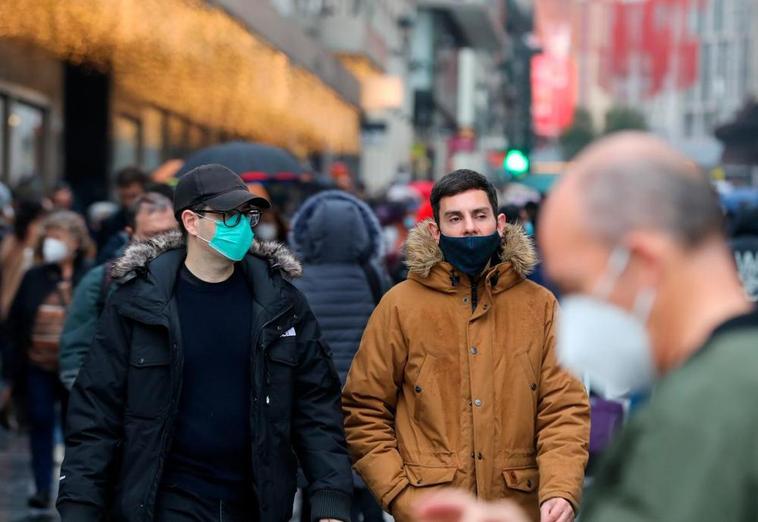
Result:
[{"x": 211, "y": 451}]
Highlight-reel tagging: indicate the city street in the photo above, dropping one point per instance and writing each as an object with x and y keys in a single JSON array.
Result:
[{"x": 16, "y": 485}]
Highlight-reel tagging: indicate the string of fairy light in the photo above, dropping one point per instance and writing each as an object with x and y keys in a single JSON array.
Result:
[{"x": 194, "y": 60}]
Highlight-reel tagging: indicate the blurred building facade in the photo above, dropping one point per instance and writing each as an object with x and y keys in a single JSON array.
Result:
[
  {"x": 90, "y": 87},
  {"x": 371, "y": 40},
  {"x": 392, "y": 89},
  {"x": 688, "y": 65},
  {"x": 432, "y": 77},
  {"x": 457, "y": 83}
]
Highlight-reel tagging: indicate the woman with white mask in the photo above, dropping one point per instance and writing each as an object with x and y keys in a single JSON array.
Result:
[{"x": 34, "y": 324}]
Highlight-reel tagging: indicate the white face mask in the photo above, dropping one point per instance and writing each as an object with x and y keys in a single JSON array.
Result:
[
  {"x": 603, "y": 343},
  {"x": 54, "y": 250},
  {"x": 266, "y": 231}
]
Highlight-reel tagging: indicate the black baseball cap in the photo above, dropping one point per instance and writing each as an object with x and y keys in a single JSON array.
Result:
[{"x": 215, "y": 186}]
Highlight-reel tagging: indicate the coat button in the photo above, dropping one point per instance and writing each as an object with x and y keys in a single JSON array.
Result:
[
  {"x": 472, "y": 455},
  {"x": 142, "y": 360},
  {"x": 477, "y": 403},
  {"x": 486, "y": 306},
  {"x": 533, "y": 387},
  {"x": 278, "y": 328},
  {"x": 479, "y": 455},
  {"x": 418, "y": 389},
  {"x": 465, "y": 299},
  {"x": 474, "y": 350}
]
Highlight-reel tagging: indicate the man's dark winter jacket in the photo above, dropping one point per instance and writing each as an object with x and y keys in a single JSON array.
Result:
[
  {"x": 124, "y": 402},
  {"x": 339, "y": 241}
]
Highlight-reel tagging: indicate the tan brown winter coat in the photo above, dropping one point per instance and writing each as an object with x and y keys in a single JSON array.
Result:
[{"x": 439, "y": 395}]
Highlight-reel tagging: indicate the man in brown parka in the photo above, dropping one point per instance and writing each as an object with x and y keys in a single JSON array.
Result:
[{"x": 456, "y": 382}]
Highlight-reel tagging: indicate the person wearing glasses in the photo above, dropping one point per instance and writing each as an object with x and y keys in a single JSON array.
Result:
[{"x": 208, "y": 380}]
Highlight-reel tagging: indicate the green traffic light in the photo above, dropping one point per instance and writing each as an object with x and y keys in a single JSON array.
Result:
[{"x": 516, "y": 162}]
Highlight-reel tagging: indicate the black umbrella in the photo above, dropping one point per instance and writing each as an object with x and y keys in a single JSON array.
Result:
[{"x": 254, "y": 162}]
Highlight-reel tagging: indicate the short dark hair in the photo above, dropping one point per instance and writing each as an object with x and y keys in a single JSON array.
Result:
[
  {"x": 459, "y": 181},
  {"x": 130, "y": 175}
]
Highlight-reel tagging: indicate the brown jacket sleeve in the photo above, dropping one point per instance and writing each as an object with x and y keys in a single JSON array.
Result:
[
  {"x": 563, "y": 425},
  {"x": 369, "y": 399}
]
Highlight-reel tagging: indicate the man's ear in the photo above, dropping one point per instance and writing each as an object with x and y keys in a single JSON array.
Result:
[
  {"x": 502, "y": 222},
  {"x": 434, "y": 229},
  {"x": 190, "y": 221}
]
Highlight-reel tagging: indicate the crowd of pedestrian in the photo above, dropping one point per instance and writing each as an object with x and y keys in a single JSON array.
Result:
[{"x": 207, "y": 355}]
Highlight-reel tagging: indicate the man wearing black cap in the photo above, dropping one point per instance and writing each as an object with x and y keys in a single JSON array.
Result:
[{"x": 207, "y": 377}]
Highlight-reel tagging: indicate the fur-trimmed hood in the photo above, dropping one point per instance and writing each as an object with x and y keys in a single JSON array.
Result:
[
  {"x": 423, "y": 253},
  {"x": 139, "y": 254}
]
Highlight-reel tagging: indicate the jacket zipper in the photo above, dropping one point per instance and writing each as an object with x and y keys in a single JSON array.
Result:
[
  {"x": 168, "y": 432},
  {"x": 256, "y": 389}
]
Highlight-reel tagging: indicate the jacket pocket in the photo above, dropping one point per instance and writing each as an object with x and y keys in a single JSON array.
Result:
[
  {"x": 280, "y": 381},
  {"x": 420, "y": 476},
  {"x": 148, "y": 382},
  {"x": 284, "y": 352},
  {"x": 431, "y": 396},
  {"x": 524, "y": 478}
]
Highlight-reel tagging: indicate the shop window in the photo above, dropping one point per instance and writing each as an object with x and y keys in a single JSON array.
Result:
[
  {"x": 197, "y": 137},
  {"x": 126, "y": 143},
  {"x": 177, "y": 137},
  {"x": 26, "y": 145},
  {"x": 152, "y": 145}
]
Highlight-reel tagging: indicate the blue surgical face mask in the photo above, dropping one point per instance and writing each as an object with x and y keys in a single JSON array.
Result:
[
  {"x": 231, "y": 242},
  {"x": 469, "y": 254}
]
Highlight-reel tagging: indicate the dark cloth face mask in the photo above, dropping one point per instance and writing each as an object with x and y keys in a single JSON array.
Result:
[{"x": 469, "y": 254}]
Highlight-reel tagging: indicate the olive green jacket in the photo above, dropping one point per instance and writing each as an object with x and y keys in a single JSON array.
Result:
[{"x": 692, "y": 453}]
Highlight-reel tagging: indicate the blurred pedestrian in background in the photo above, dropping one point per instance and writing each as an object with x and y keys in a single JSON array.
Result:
[
  {"x": 634, "y": 236},
  {"x": 98, "y": 213},
  {"x": 272, "y": 226},
  {"x": 339, "y": 241},
  {"x": 61, "y": 197},
  {"x": 17, "y": 250},
  {"x": 744, "y": 243},
  {"x": 34, "y": 324},
  {"x": 19, "y": 238},
  {"x": 456, "y": 382},
  {"x": 131, "y": 182},
  {"x": 150, "y": 215}
]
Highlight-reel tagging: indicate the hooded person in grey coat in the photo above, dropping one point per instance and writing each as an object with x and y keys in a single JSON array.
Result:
[{"x": 339, "y": 242}]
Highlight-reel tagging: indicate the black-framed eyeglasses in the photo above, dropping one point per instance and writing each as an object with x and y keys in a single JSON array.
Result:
[{"x": 231, "y": 218}]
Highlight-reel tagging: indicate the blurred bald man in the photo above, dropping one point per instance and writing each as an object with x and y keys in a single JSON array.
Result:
[{"x": 633, "y": 236}]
